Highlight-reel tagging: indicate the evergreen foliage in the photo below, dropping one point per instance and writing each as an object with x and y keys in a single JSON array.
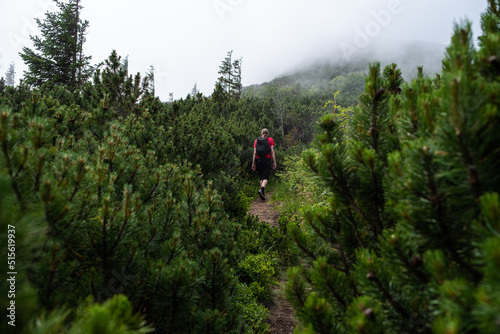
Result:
[
  {"x": 230, "y": 79},
  {"x": 58, "y": 57},
  {"x": 10, "y": 75},
  {"x": 114, "y": 192},
  {"x": 130, "y": 212},
  {"x": 3, "y": 85},
  {"x": 114, "y": 316},
  {"x": 124, "y": 202},
  {"x": 409, "y": 242}
]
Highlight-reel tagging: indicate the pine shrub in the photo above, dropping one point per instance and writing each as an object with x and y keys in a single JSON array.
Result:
[{"x": 409, "y": 242}]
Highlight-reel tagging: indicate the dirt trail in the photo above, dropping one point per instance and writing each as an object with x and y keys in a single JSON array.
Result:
[
  {"x": 280, "y": 310},
  {"x": 265, "y": 211}
]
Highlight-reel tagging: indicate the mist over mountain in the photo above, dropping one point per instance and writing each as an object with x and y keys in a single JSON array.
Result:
[
  {"x": 409, "y": 55},
  {"x": 323, "y": 73}
]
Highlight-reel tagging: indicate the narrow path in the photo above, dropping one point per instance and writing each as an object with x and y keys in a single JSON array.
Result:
[
  {"x": 280, "y": 310},
  {"x": 265, "y": 211}
]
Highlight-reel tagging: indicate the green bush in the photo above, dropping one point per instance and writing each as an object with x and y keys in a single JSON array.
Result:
[
  {"x": 259, "y": 237},
  {"x": 258, "y": 271},
  {"x": 114, "y": 316},
  {"x": 254, "y": 313},
  {"x": 111, "y": 219},
  {"x": 298, "y": 187},
  {"x": 409, "y": 240}
]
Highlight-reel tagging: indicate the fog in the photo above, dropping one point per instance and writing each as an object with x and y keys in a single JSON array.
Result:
[{"x": 186, "y": 40}]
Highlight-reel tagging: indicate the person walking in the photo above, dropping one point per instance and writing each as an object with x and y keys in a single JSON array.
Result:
[{"x": 263, "y": 151}]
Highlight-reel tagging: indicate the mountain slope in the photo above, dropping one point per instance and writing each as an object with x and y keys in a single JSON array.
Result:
[{"x": 318, "y": 74}]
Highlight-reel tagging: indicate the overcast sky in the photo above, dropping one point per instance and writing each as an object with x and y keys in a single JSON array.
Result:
[{"x": 186, "y": 40}]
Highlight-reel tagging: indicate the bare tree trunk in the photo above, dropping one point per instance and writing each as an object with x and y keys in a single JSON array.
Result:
[
  {"x": 75, "y": 51},
  {"x": 280, "y": 110},
  {"x": 79, "y": 77}
]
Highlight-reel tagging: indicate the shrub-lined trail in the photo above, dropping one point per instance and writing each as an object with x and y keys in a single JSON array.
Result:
[
  {"x": 130, "y": 213},
  {"x": 280, "y": 310},
  {"x": 265, "y": 211}
]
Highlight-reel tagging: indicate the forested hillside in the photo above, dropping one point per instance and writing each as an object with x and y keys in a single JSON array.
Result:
[
  {"x": 329, "y": 74},
  {"x": 123, "y": 213}
]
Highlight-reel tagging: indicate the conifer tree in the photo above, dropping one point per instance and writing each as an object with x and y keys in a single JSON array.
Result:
[
  {"x": 10, "y": 75},
  {"x": 150, "y": 78},
  {"x": 115, "y": 88},
  {"x": 226, "y": 72},
  {"x": 353, "y": 168},
  {"x": 194, "y": 90},
  {"x": 236, "y": 86},
  {"x": 230, "y": 79},
  {"x": 57, "y": 57}
]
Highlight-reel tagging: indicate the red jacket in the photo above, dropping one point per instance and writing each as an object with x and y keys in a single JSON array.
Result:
[{"x": 271, "y": 143}]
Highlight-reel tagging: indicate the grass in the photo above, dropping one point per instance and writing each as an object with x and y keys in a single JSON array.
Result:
[{"x": 291, "y": 202}]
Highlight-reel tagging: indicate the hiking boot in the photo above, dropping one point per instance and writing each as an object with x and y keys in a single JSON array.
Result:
[{"x": 261, "y": 194}]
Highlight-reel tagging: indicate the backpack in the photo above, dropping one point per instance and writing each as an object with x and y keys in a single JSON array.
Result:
[{"x": 262, "y": 148}]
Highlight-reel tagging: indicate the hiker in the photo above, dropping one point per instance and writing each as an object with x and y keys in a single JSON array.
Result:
[{"x": 263, "y": 150}]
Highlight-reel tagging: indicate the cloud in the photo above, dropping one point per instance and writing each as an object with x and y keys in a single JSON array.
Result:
[{"x": 186, "y": 40}]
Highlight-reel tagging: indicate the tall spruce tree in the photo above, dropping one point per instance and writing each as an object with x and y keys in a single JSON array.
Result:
[
  {"x": 194, "y": 90},
  {"x": 10, "y": 75},
  {"x": 150, "y": 77},
  {"x": 410, "y": 242},
  {"x": 236, "y": 85},
  {"x": 57, "y": 57},
  {"x": 226, "y": 72},
  {"x": 230, "y": 78}
]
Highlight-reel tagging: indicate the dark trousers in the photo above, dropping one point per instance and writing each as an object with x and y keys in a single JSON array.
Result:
[{"x": 263, "y": 167}]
